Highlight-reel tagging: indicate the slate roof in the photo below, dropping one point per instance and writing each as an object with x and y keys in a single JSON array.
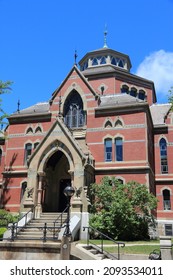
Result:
[
  {"x": 42, "y": 107},
  {"x": 112, "y": 100},
  {"x": 159, "y": 112}
]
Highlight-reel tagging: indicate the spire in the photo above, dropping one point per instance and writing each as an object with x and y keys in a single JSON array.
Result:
[
  {"x": 18, "y": 106},
  {"x": 105, "y": 37},
  {"x": 75, "y": 57}
]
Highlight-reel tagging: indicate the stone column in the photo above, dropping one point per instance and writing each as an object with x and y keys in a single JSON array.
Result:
[
  {"x": 166, "y": 247},
  {"x": 38, "y": 209},
  {"x": 65, "y": 248}
]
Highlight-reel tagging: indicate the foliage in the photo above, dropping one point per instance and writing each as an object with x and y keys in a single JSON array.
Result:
[
  {"x": 4, "y": 88},
  {"x": 122, "y": 211},
  {"x": 6, "y": 217},
  {"x": 2, "y": 230},
  {"x": 170, "y": 97}
]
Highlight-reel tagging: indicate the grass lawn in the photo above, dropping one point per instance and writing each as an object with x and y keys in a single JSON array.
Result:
[
  {"x": 131, "y": 247},
  {"x": 138, "y": 249}
]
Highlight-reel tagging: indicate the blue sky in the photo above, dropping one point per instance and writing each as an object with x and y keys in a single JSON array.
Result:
[{"x": 39, "y": 38}]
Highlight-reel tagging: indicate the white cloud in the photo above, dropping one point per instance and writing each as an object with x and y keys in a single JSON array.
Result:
[{"x": 158, "y": 67}]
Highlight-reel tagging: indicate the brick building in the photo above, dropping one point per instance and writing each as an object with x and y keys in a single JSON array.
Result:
[{"x": 102, "y": 120}]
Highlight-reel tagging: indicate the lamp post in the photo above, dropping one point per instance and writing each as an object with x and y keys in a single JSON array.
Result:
[{"x": 68, "y": 192}]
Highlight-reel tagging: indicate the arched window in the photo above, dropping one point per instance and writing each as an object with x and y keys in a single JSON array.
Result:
[
  {"x": 166, "y": 200},
  {"x": 108, "y": 124},
  {"x": 133, "y": 92},
  {"x": 103, "y": 60},
  {"x": 141, "y": 95},
  {"x": 29, "y": 130},
  {"x": 108, "y": 149},
  {"x": 118, "y": 149},
  {"x": 74, "y": 115},
  {"x": 23, "y": 189},
  {"x": 118, "y": 123},
  {"x": 163, "y": 156},
  {"x": 28, "y": 151},
  {"x": 36, "y": 144},
  {"x": 125, "y": 89},
  {"x": 38, "y": 129}
]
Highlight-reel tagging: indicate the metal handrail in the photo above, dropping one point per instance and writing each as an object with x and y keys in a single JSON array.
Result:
[
  {"x": 44, "y": 229},
  {"x": 103, "y": 237},
  {"x": 59, "y": 218}
]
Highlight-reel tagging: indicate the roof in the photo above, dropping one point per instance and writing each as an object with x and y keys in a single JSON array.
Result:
[
  {"x": 119, "y": 99},
  {"x": 159, "y": 112},
  {"x": 42, "y": 107}
]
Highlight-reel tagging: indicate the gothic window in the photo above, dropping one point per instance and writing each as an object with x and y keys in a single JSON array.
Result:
[
  {"x": 163, "y": 156},
  {"x": 36, "y": 144},
  {"x": 118, "y": 124},
  {"x": 23, "y": 189},
  {"x": 113, "y": 61},
  {"x": 74, "y": 115},
  {"x": 108, "y": 124},
  {"x": 28, "y": 151},
  {"x": 95, "y": 61},
  {"x": 29, "y": 130},
  {"x": 103, "y": 60},
  {"x": 108, "y": 149},
  {"x": 118, "y": 149},
  {"x": 38, "y": 129},
  {"x": 166, "y": 200}
]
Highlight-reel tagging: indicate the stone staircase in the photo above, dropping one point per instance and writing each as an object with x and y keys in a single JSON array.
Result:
[{"x": 38, "y": 229}]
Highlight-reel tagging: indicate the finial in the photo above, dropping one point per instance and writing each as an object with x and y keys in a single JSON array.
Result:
[
  {"x": 60, "y": 102},
  {"x": 75, "y": 57},
  {"x": 105, "y": 37},
  {"x": 18, "y": 106}
]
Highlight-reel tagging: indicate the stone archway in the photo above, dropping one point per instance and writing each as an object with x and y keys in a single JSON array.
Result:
[{"x": 56, "y": 179}]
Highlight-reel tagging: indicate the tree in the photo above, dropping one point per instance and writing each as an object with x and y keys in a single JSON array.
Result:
[
  {"x": 122, "y": 211},
  {"x": 170, "y": 97},
  {"x": 4, "y": 88}
]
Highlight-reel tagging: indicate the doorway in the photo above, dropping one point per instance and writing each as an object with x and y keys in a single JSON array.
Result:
[{"x": 57, "y": 178}]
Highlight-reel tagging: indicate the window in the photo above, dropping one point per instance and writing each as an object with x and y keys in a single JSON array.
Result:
[
  {"x": 74, "y": 116},
  {"x": 108, "y": 149},
  {"x": 163, "y": 156},
  {"x": 141, "y": 95},
  {"x": 38, "y": 129},
  {"x": 108, "y": 124},
  {"x": 166, "y": 200},
  {"x": 168, "y": 230},
  {"x": 28, "y": 151},
  {"x": 23, "y": 189},
  {"x": 133, "y": 92},
  {"x": 29, "y": 130},
  {"x": 124, "y": 89},
  {"x": 118, "y": 149},
  {"x": 36, "y": 144}
]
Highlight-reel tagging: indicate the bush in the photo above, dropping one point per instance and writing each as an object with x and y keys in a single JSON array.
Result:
[
  {"x": 122, "y": 211},
  {"x": 2, "y": 230},
  {"x": 6, "y": 218}
]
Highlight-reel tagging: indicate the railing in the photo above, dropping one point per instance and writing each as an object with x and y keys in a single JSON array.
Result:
[
  {"x": 60, "y": 220},
  {"x": 101, "y": 247},
  {"x": 17, "y": 227},
  {"x": 44, "y": 229}
]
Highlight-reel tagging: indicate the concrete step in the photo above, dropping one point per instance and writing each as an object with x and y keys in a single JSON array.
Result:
[{"x": 34, "y": 229}]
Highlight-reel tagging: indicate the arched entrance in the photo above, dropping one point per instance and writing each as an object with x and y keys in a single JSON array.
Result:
[{"x": 57, "y": 178}]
